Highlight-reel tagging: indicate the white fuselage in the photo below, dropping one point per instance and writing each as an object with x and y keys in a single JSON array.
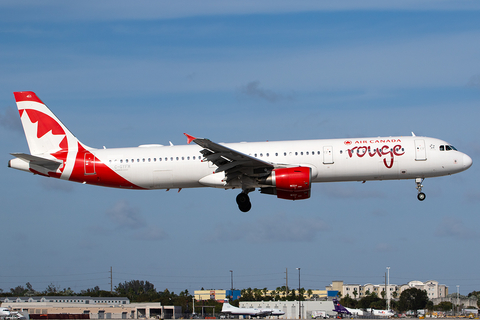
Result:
[{"x": 392, "y": 158}]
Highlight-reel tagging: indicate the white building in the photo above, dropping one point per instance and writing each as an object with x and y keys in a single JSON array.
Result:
[
  {"x": 356, "y": 291},
  {"x": 291, "y": 308},
  {"x": 96, "y": 308}
]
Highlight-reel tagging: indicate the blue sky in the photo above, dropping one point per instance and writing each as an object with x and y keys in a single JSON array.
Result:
[{"x": 122, "y": 74}]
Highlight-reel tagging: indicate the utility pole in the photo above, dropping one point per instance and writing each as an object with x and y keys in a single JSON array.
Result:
[
  {"x": 231, "y": 278},
  {"x": 299, "y": 303},
  {"x": 286, "y": 284},
  {"x": 111, "y": 281},
  {"x": 386, "y": 287}
]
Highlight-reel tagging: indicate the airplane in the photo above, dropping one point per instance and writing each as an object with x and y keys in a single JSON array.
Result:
[
  {"x": 282, "y": 168},
  {"x": 273, "y": 312},
  {"x": 344, "y": 310},
  {"x": 4, "y": 312},
  {"x": 227, "y": 308},
  {"x": 381, "y": 313}
]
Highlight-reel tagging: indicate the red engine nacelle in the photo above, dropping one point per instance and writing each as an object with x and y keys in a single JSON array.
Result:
[{"x": 291, "y": 183}]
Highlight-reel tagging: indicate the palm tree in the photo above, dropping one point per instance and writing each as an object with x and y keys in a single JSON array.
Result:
[{"x": 265, "y": 291}]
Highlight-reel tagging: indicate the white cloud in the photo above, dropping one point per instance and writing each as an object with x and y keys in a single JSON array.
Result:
[
  {"x": 151, "y": 9},
  {"x": 277, "y": 227},
  {"x": 11, "y": 120},
  {"x": 125, "y": 216},
  {"x": 455, "y": 228},
  {"x": 253, "y": 89},
  {"x": 474, "y": 81},
  {"x": 151, "y": 233}
]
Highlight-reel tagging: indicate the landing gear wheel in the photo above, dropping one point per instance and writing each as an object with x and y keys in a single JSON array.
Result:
[
  {"x": 243, "y": 201},
  {"x": 421, "y": 196}
]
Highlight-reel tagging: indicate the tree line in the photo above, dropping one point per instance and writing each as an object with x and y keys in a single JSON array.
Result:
[
  {"x": 410, "y": 299},
  {"x": 144, "y": 291},
  {"x": 134, "y": 290}
]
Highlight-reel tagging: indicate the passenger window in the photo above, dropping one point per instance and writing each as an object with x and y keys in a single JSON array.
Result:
[
  {"x": 267, "y": 154},
  {"x": 149, "y": 159},
  {"x": 193, "y": 157},
  {"x": 301, "y": 153},
  {"x": 307, "y": 153},
  {"x": 276, "y": 154},
  {"x": 285, "y": 154},
  {"x": 296, "y": 153},
  {"x": 188, "y": 158}
]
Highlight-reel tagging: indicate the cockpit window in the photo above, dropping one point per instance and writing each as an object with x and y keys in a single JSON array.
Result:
[{"x": 447, "y": 148}]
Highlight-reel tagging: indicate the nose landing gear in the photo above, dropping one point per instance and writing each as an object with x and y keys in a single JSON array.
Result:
[
  {"x": 243, "y": 201},
  {"x": 420, "y": 196}
]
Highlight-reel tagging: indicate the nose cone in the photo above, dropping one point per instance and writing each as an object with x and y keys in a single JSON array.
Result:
[{"x": 467, "y": 162}]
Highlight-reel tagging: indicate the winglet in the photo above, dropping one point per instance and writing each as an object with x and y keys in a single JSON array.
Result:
[{"x": 189, "y": 138}]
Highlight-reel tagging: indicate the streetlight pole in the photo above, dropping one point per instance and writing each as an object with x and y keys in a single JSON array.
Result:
[
  {"x": 388, "y": 288},
  {"x": 458, "y": 294},
  {"x": 231, "y": 278},
  {"x": 299, "y": 303}
]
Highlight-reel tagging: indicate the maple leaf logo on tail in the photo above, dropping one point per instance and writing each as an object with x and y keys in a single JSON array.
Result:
[{"x": 46, "y": 136}]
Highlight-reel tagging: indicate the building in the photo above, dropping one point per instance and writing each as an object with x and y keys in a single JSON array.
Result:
[
  {"x": 291, "y": 308},
  {"x": 433, "y": 288},
  {"x": 218, "y": 295},
  {"x": 96, "y": 308}
]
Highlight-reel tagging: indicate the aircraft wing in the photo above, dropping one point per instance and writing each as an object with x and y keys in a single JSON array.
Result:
[
  {"x": 51, "y": 165},
  {"x": 229, "y": 160}
]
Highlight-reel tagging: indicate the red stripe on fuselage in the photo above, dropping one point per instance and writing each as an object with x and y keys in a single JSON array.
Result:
[{"x": 103, "y": 175}]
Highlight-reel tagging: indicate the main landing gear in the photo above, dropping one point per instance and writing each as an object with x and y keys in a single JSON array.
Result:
[
  {"x": 420, "y": 196},
  {"x": 243, "y": 201}
]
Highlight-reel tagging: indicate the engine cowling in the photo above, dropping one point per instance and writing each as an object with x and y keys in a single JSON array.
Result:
[{"x": 290, "y": 183}]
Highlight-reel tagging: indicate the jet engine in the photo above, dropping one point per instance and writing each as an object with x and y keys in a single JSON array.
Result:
[{"x": 289, "y": 183}]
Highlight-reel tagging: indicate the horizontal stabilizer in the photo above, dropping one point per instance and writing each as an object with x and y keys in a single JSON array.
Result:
[{"x": 51, "y": 165}]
